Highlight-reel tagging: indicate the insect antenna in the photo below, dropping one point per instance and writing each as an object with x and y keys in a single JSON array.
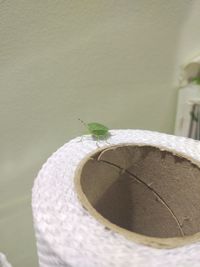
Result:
[{"x": 83, "y": 123}]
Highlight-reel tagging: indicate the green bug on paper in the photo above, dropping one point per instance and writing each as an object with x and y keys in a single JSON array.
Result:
[{"x": 97, "y": 130}]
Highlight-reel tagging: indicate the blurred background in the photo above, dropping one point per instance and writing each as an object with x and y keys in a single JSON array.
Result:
[{"x": 116, "y": 62}]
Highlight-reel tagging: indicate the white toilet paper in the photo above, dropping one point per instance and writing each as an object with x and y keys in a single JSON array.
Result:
[
  {"x": 3, "y": 261},
  {"x": 67, "y": 235}
]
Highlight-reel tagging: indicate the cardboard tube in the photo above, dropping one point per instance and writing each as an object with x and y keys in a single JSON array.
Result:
[{"x": 143, "y": 190}]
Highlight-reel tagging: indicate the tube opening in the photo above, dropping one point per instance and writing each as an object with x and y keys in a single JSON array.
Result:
[{"x": 143, "y": 192}]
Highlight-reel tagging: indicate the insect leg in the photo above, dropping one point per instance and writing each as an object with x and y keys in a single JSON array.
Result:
[
  {"x": 81, "y": 138},
  {"x": 97, "y": 142}
]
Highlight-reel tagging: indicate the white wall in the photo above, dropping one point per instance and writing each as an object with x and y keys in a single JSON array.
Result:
[{"x": 115, "y": 62}]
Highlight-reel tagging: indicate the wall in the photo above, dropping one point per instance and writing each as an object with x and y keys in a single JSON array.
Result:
[
  {"x": 115, "y": 62},
  {"x": 189, "y": 43}
]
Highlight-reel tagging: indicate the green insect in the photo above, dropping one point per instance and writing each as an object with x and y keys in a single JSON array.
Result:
[{"x": 97, "y": 130}]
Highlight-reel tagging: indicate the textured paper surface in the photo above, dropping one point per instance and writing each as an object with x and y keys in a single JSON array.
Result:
[{"x": 68, "y": 235}]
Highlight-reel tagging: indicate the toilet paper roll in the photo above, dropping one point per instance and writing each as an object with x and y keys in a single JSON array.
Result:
[
  {"x": 3, "y": 261},
  {"x": 131, "y": 200}
]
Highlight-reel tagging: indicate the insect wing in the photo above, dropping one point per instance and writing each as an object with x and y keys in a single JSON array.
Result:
[{"x": 97, "y": 129}]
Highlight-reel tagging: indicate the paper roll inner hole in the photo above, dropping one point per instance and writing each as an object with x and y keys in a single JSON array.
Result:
[{"x": 144, "y": 190}]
